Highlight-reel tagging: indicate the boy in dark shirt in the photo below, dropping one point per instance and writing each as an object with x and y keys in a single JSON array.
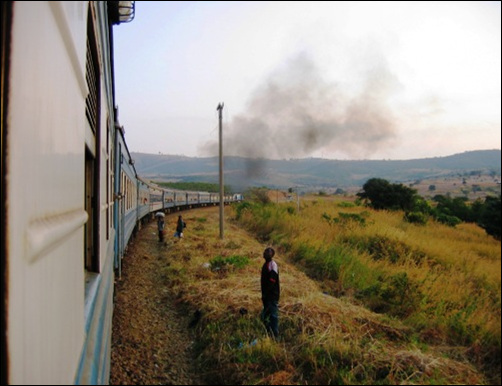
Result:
[{"x": 270, "y": 292}]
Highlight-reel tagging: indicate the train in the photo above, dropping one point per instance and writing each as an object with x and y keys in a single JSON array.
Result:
[{"x": 71, "y": 196}]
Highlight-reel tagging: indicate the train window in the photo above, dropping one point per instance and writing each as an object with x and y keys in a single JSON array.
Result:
[
  {"x": 112, "y": 188},
  {"x": 127, "y": 192},
  {"x": 123, "y": 189},
  {"x": 92, "y": 76},
  {"x": 108, "y": 199},
  {"x": 90, "y": 253}
]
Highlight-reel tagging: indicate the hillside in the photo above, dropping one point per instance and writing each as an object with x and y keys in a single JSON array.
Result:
[
  {"x": 330, "y": 331},
  {"x": 315, "y": 172}
]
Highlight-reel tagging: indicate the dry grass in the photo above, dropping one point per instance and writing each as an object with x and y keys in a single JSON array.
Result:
[
  {"x": 324, "y": 339},
  {"x": 458, "y": 264}
]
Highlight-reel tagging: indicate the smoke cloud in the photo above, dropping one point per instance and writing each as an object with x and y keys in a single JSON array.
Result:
[{"x": 296, "y": 112}]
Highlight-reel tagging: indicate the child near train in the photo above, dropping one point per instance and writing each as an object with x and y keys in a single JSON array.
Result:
[{"x": 180, "y": 227}]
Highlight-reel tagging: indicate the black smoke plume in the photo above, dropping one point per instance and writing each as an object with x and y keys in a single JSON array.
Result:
[{"x": 297, "y": 112}]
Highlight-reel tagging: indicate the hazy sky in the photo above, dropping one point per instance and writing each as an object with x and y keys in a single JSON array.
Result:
[{"x": 355, "y": 80}]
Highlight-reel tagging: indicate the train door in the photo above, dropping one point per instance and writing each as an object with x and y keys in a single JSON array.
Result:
[{"x": 6, "y": 30}]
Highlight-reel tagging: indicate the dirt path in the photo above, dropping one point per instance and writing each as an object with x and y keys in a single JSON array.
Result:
[{"x": 151, "y": 341}]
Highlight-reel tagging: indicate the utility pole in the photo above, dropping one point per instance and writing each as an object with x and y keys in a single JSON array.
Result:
[
  {"x": 291, "y": 190},
  {"x": 298, "y": 199},
  {"x": 222, "y": 190}
]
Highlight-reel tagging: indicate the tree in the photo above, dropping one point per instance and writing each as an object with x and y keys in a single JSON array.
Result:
[
  {"x": 376, "y": 190},
  {"x": 456, "y": 207},
  {"x": 489, "y": 218},
  {"x": 384, "y": 195}
]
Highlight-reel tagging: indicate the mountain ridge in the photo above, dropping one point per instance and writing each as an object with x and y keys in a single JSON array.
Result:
[{"x": 313, "y": 172}]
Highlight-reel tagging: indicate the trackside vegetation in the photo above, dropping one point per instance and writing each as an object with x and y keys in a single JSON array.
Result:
[
  {"x": 367, "y": 297},
  {"x": 442, "y": 283}
]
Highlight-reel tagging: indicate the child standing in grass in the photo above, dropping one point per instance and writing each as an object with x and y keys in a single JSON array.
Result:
[
  {"x": 180, "y": 226},
  {"x": 270, "y": 292}
]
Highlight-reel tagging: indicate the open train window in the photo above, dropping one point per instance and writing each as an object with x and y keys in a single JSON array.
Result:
[
  {"x": 91, "y": 260},
  {"x": 92, "y": 153}
]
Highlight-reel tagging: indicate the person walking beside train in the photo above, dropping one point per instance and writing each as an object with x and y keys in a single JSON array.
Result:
[
  {"x": 180, "y": 227},
  {"x": 160, "y": 225},
  {"x": 270, "y": 292}
]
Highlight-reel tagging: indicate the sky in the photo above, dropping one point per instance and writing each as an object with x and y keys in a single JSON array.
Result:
[{"x": 337, "y": 80}]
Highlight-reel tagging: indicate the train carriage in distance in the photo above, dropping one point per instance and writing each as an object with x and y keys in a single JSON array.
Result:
[{"x": 143, "y": 198}]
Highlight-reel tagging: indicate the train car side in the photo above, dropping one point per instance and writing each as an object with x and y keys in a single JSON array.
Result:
[
  {"x": 127, "y": 196},
  {"x": 44, "y": 229},
  {"x": 72, "y": 197},
  {"x": 156, "y": 198},
  {"x": 143, "y": 199},
  {"x": 59, "y": 192}
]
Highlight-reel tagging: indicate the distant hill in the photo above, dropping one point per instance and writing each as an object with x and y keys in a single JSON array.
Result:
[{"x": 313, "y": 172}]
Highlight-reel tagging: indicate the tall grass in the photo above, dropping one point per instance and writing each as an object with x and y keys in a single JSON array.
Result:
[
  {"x": 324, "y": 339},
  {"x": 442, "y": 282}
]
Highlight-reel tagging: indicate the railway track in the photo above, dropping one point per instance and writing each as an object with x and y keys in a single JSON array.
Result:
[{"x": 151, "y": 340}]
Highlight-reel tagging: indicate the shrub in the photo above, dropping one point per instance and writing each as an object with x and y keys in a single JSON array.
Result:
[
  {"x": 395, "y": 295},
  {"x": 346, "y": 204},
  {"x": 259, "y": 195},
  {"x": 241, "y": 208},
  {"x": 451, "y": 221},
  {"x": 344, "y": 219},
  {"x": 236, "y": 261},
  {"x": 384, "y": 248},
  {"x": 416, "y": 218}
]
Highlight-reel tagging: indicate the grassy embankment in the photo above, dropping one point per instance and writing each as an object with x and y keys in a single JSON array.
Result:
[{"x": 367, "y": 298}]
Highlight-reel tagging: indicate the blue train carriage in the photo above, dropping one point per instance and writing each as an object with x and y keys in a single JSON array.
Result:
[
  {"x": 204, "y": 198},
  {"x": 58, "y": 137},
  {"x": 169, "y": 196},
  {"x": 127, "y": 197},
  {"x": 237, "y": 197},
  {"x": 156, "y": 198},
  {"x": 143, "y": 199},
  {"x": 193, "y": 200},
  {"x": 180, "y": 198}
]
